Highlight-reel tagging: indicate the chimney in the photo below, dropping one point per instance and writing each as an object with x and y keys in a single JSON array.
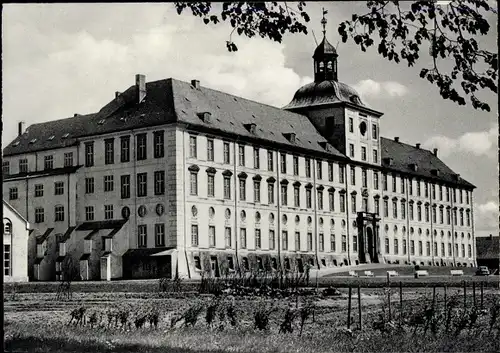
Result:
[
  {"x": 21, "y": 127},
  {"x": 140, "y": 83},
  {"x": 117, "y": 94},
  {"x": 195, "y": 84},
  {"x": 396, "y": 139},
  {"x": 75, "y": 115},
  {"x": 491, "y": 236},
  {"x": 417, "y": 145},
  {"x": 435, "y": 151}
]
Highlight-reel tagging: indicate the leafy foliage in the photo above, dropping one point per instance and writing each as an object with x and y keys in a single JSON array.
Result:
[{"x": 450, "y": 32}]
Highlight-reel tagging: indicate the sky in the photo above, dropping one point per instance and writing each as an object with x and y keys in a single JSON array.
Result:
[{"x": 62, "y": 59}]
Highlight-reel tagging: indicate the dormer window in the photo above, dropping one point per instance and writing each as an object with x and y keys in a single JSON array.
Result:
[
  {"x": 51, "y": 138},
  {"x": 16, "y": 144},
  {"x": 205, "y": 117},
  {"x": 250, "y": 127},
  {"x": 389, "y": 161},
  {"x": 435, "y": 172},
  {"x": 100, "y": 122},
  {"x": 33, "y": 141},
  {"x": 65, "y": 135},
  {"x": 413, "y": 167},
  {"x": 290, "y": 137}
]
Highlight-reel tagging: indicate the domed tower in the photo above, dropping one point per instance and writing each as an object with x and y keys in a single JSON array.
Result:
[{"x": 336, "y": 109}]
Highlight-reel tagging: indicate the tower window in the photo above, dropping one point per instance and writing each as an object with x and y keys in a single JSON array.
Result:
[
  {"x": 321, "y": 66},
  {"x": 329, "y": 66}
]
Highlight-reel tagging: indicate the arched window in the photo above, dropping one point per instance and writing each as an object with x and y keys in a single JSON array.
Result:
[
  {"x": 7, "y": 227},
  {"x": 321, "y": 66},
  {"x": 329, "y": 66}
]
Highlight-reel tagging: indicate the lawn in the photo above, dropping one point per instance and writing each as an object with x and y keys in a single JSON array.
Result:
[{"x": 37, "y": 322}]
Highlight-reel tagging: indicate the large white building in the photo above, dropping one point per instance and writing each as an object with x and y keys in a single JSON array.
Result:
[{"x": 174, "y": 178}]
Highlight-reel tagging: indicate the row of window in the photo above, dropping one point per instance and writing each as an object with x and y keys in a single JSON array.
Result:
[
  {"x": 7, "y": 271},
  {"x": 39, "y": 190},
  {"x": 141, "y": 184},
  {"x": 427, "y": 248},
  {"x": 363, "y": 128},
  {"x": 58, "y": 214},
  {"x": 48, "y": 163}
]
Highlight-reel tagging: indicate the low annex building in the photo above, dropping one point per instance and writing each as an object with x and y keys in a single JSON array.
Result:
[
  {"x": 173, "y": 178},
  {"x": 15, "y": 245}
]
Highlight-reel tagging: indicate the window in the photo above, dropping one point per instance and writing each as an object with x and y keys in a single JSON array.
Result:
[
  {"x": 295, "y": 165},
  {"x": 403, "y": 210},
  {"x": 283, "y": 162},
  {"x": 284, "y": 194},
  {"x": 284, "y": 240},
  {"x": 109, "y": 151},
  {"x": 387, "y": 245},
  {"x": 420, "y": 248},
  {"x": 270, "y": 193},
  {"x": 89, "y": 154},
  {"x": 320, "y": 170},
  {"x": 428, "y": 248},
  {"x": 394, "y": 209},
  {"x": 6, "y": 260},
  {"x": 448, "y": 217},
  {"x": 342, "y": 202},
  {"x": 141, "y": 147},
  {"x": 243, "y": 238},
  {"x": 461, "y": 217},
  {"x": 419, "y": 213},
  {"x": 396, "y": 247},
  {"x": 344, "y": 243},
  {"x": 193, "y": 183},
  {"x": 23, "y": 164},
  {"x": 434, "y": 215},
  {"x": 270, "y": 161},
  {"x": 455, "y": 218},
  {"x": 404, "y": 247},
  {"x": 433, "y": 188},
  {"x": 308, "y": 167},
  {"x": 375, "y": 156},
  {"x": 296, "y": 196},
  {"x": 272, "y": 240},
  {"x": 351, "y": 150},
  {"x": 142, "y": 184},
  {"x": 461, "y": 196},
  {"x": 211, "y": 185},
  {"x": 447, "y": 194},
  {"x": 125, "y": 186},
  {"x": 410, "y": 187},
  {"x": 384, "y": 181},
  {"x": 159, "y": 235},
  {"x": 427, "y": 218},
  {"x": 194, "y": 235},
  {"x": 441, "y": 216},
  {"x": 227, "y": 155},
  {"x": 68, "y": 160},
  {"x": 374, "y": 132},
  {"x": 320, "y": 199},
  {"x": 159, "y": 182},
  {"x": 351, "y": 125},
  {"x": 467, "y": 200},
  {"x": 330, "y": 171},
  {"x": 5, "y": 168},
  {"x": 258, "y": 243},
  {"x": 321, "y": 242},
  {"x": 256, "y": 191},
  {"x": 353, "y": 176},
  {"x": 13, "y": 194},
  {"x": 355, "y": 243},
  {"x": 48, "y": 162},
  {"x": 159, "y": 144},
  {"x": 211, "y": 236},
  {"x": 308, "y": 198},
  {"x": 418, "y": 188},
  {"x": 364, "y": 204},
  {"x": 332, "y": 243},
  {"x": 363, "y": 153},
  {"x": 125, "y": 149},
  {"x": 353, "y": 204},
  {"x": 331, "y": 200},
  {"x": 39, "y": 215},
  {"x": 411, "y": 211},
  {"x": 443, "y": 251},
  {"x": 376, "y": 205},
  {"x": 142, "y": 239},
  {"x": 241, "y": 154},
  {"x": 309, "y": 241},
  {"x": 89, "y": 213},
  {"x": 341, "y": 174},
  {"x": 227, "y": 188},
  {"x": 393, "y": 182},
  {"x": 243, "y": 189},
  {"x": 256, "y": 158},
  {"x": 435, "y": 248},
  {"x": 426, "y": 188},
  {"x": 210, "y": 150},
  {"x": 227, "y": 237},
  {"x": 59, "y": 188},
  {"x": 440, "y": 193},
  {"x": 193, "y": 148},
  {"x": 402, "y": 184},
  {"x": 108, "y": 212},
  {"x": 468, "y": 219},
  {"x": 89, "y": 185},
  {"x": 364, "y": 178},
  {"x": 386, "y": 208},
  {"x": 59, "y": 213},
  {"x": 469, "y": 248},
  {"x": 375, "y": 180},
  {"x": 108, "y": 183}
]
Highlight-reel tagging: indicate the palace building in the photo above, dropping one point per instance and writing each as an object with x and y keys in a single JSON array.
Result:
[{"x": 173, "y": 178}]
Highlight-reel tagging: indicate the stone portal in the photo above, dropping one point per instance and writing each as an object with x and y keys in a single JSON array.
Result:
[{"x": 368, "y": 235}]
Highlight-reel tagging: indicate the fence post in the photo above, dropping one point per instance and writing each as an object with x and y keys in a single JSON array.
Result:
[
  {"x": 445, "y": 298},
  {"x": 401, "y": 302},
  {"x": 474, "y": 293},
  {"x": 481, "y": 295},
  {"x": 349, "y": 309},
  {"x": 465, "y": 295},
  {"x": 359, "y": 308},
  {"x": 388, "y": 280},
  {"x": 433, "y": 297},
  {"x": 389, "y": 302}
]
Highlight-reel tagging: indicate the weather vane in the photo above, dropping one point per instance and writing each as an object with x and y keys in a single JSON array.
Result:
[{"x": 323, "y": 21}]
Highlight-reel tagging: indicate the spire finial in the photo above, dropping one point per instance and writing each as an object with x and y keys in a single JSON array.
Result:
[{"x": 324, "y": 21}]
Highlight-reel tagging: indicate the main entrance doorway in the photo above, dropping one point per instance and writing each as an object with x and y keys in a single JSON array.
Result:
[{"x": 367, "y": 224}]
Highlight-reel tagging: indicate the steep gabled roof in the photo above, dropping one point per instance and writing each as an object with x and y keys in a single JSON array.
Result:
[
  {"x": 403, "y": 155},
  {"x": 10, "y": 207}
]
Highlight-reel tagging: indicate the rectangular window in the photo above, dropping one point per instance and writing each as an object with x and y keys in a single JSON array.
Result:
[
  {"x": 89, "y": 213},
  {"x": 142, "y": 184},
  {"x": 412, "y": 247},
  {"x": 320, "y": 199},
  {"x": 6, "y": 260},
  {"x": 440, "y": 192},
  {"x": 434, "y": 215},
  {"x": 89, "y": 154},
  {"x": 330, "y": 171},
  {"x": 419, "y": 213},
  {"x": 411, "y": 211},
  {"x": 351, "y": 150},
  {"x": 258, "y": 241},
  {"x": 333, "y": 247},
  {"x": 308, "y": 198},
  {"x": 125, "y": 186},
  {"x": 227, "y": 153},
  {"x": 308, "y": 167},
  {"x": 331, "y": 200},
  {"x": 211, "y": 236},
  {"x": 443, "y": 251},
  {"x": 68, "y": 159},
  {"x": 241, "y": 155},
  {"x": 418, "y": 188},
  {"x": 321, "y": 242},
  {"x": 449, "y": 250},
  {"x": 344, "y": 243},
  {"x": 159, "y": 235},
  {"x": 270, "y": 193},
  {"x": 375, "y": 180},
  {"x": 283, "y": 162},
  {"x": 341, "y": 174},
  {"x": 256, "y": 191},
  {"x": 353, "y": 204},
  {"x": 351, "y": 125},
  {"x": 243, "y": 189},
  {"x": 210, "y": 185},
  {"x": 39, "y": 215},
  {"x": 193, "y": 183},
  {"x": 5, "y": 168},
  {"x": 89, "y": 185},
  {"x": 194, "y": 235},
  {"x": 363, "y": 153},
  {"x": 59, "y": 188},
  {"x": 23, "y": 164},
  {"x": 227, "y": 237},
  {"x": 284, "y": 194},
  {"x": 384, "y": 181},
  {"x": 375, "y": 156},
  {"x": 469, "y": 248},
  {"x": 59, "y": 213},
  {"x": 193, "y": 147},
  {"x": 396, "y": 247},
  {"x": 125, "y": 149},
  {"x": 394, "y": 182},
  {"x": 142, "y": 236},
  {"x": 387, "y": 246},
  {"x": 376, "y": 206},
  {"x": 13, "y": 194},
  {"x": 342, "y": 202},
  {"x": 295, "y": 165},
  {"x": 48, "y": 162},
  {"x": 108, "y": 211},
  {"x": 309, "y": 241},
  {"x": 428, "y": 248},
  {"x": 227, "y": 188},
  {"x": 467, "y": 200},
  {"x": 404, "y": 247},
  {"x": 355, "y": 243},
  {"x": 284, "y": 240},
  {"x": 447, "y": 193},
  {"x": 141, "y": 147},
  {"x": 374, "y": 132},
  {"x": 394, "y": 209},
  {"x": 435, "y": 248},
  {"x": 410, "y": 187},
  {"x": 243, "y": 238},
  {"x": 210, "y": 150},
  {"x": 364, "y": 204},
  {"x": 296, "y": 196},
  {"x": 441, "y": 216},
  {"x": 109, "y": 151},
  {"x": 353, "y": 176},
  {"x": 319, "y": 167},
  {"x": 420, "y": 248},
  {"x": 108, "y": 183},
  {"x": 386, "y": 208},
  {"x": 426, "y": 188},
  {"x": 272, "y": 240},
  {"x": 270, "y": 161},
  {"x": 364, "y": 178},
  {"x": 159, "y": 144},
  {"x": 159, "y": 182},
  {"x": 256, "y": 158},
  {"x": 402, "y": 184},
  {"x": 433, "y": 188},
  {"x": 403, "y": 210},
  {"x": 297, "y": 241}
]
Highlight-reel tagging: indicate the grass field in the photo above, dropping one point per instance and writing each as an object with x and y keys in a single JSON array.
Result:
[{"x": 37, "y": 322}]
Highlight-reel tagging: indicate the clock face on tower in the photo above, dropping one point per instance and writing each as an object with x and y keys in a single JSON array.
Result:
[{"x": 362, "y": 128}]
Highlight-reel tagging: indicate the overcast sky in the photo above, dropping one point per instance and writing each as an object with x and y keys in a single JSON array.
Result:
[{"x": 61, "y": 59}]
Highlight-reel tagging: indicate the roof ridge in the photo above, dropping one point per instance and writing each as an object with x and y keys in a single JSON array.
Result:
[{"x": 407, "y": 144}]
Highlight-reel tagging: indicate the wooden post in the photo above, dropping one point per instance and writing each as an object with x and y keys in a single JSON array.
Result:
[
  {"x": 465, "y": 295},
  {"x": 389, "y": 302},
  {"x": 388, "y": 280},
  {"x": 434, "y": 297},
  {"x": 359, "y": 308},
  {"x": 445, "y": 303},
  {"x": 482, "y": 295},
  {"x": 349, "y": 309},
  {"x": 400, "y": 302}
]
